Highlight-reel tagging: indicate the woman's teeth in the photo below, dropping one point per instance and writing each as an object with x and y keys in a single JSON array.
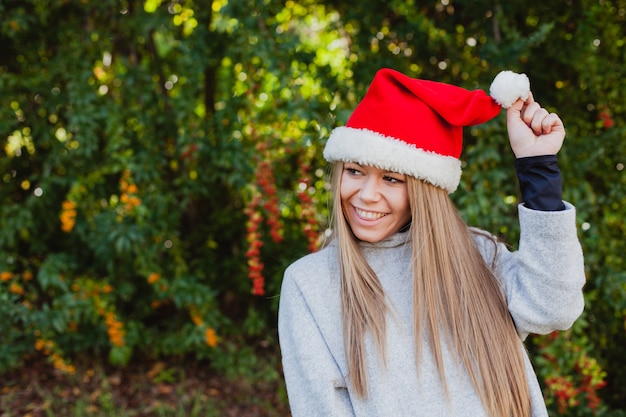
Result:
[{"x": 369, "y": 215}]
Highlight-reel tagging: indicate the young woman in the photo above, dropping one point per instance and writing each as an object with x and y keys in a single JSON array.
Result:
[{"x": 408, "y": 311}]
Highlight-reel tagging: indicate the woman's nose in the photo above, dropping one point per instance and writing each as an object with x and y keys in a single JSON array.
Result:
[{"x": 370, "y": 190}]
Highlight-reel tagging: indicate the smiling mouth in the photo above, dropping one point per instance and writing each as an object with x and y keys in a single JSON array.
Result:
[{"x": 369, "y": 215}]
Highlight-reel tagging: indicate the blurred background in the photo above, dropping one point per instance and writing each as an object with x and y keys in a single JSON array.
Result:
[{"x": 161, "y": 166}]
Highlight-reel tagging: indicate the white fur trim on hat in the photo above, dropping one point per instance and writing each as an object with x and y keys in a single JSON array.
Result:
[
  {"x": 366, "y": 147},
  {"x": 508, "y": 87}
]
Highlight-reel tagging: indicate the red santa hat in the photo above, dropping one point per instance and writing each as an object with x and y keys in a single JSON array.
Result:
[{"x": 415, "y": 127}]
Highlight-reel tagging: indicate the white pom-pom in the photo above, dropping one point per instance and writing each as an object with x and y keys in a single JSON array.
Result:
[{"x": 508, "y": 87}]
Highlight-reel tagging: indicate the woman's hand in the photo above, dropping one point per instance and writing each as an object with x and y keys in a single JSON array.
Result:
[{"x": 532, "y": 130}]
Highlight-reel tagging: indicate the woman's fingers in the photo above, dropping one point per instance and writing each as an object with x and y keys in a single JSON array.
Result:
[
  {"x": 533, "y": 130},
  {"x": 539, "y": 119}
]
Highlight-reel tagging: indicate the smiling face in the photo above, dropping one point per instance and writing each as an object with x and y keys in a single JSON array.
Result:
[{"x": 374, "y": 201}]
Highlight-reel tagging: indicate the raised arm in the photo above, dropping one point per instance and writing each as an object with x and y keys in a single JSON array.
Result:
[{"x": 543, "y": 279}]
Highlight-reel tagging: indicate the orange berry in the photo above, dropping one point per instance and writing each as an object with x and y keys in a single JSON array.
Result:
[
  {"x": 6, "y": 276},
  {"x": 210, "y": 337},
  {"x": 153, "y": 277},
  {"x": 132, "y": 189},
  {"x": 16, "y": 288}
]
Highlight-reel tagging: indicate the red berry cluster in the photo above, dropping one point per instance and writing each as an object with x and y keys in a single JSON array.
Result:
[
  {"x": 253, "y": 237},
  {"x": 592, "y": 380},
  {"x": 264, "y": 178},
  {"x": 190, "y": 153},
  {"x": 310, "y": 227},
  {"x": 579, "y": 388},
  {"x": 564, "y": 390},
  {"x": 264, "y": 201},
  {"x": 605, "y": 117}
]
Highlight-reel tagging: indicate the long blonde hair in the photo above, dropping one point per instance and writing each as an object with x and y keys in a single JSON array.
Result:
[{"x": 457, "y": 299}]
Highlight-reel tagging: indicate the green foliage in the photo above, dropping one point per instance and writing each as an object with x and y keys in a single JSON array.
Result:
[{"x": 162, "y": 165}]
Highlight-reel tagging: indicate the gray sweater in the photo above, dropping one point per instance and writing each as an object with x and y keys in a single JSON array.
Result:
[{"x": 543, "y": 283}]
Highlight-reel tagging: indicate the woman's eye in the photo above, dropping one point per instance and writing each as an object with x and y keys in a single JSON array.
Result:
[
  {"x": 352, "y": 171},
  {"x": 393, "y": 180}
]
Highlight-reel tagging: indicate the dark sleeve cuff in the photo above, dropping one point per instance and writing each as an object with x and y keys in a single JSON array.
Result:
[{"x": 540, "y": 182}]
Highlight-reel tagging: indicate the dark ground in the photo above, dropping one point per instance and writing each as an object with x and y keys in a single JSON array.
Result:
[{"x": 144, "y": 390}]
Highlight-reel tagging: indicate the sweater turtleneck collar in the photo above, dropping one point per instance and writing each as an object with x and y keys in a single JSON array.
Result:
[{"x": 397, "y": 239}]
